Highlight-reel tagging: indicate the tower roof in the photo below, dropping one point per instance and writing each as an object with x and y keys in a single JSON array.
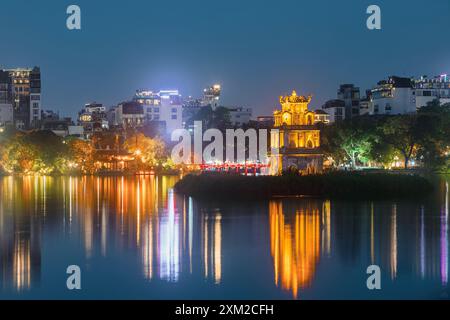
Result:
[{"x": 294, "y": 98}]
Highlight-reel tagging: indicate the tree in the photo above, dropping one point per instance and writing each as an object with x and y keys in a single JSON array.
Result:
[
  {"x": 403, "y": 134},
  {"x": 33, "y": 152},
  {"x": 18, "y": 156},
  {"x": 331, "y": 144},
  {"x": 149, "y": 152},
  {"x": 434, "y": 126},
  {"x": 81, "y": 155},
  {"x": 218, "y": 118},
  {"x": 357, "y": 145},
  {"x": 347, "y": 141}
]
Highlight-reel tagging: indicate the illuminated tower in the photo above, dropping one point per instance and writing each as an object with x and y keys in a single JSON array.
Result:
[{"x": 297, "y": 139}]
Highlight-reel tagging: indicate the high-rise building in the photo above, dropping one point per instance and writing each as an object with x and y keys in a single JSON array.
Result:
[
  {"x": 26, "y": 96},
  {"x": 351, "y": 97}
]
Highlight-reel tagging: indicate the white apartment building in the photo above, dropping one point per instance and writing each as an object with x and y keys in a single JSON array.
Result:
[
  {"x": 164, "y": 105},
  {"x": 335, "y": 109},
  {"x": 429, "y": 89},
  {"x": 393, "y": 96}
]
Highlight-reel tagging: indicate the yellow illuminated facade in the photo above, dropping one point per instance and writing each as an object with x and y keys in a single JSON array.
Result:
[
  {"x": 297, "y": 139},
  {"x": 297, "y": 240}
]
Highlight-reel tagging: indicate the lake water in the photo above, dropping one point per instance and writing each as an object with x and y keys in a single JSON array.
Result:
[{"x": 134, "y": 238}]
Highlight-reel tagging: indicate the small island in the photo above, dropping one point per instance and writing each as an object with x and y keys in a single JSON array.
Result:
[{"x": 335, "y": 185}]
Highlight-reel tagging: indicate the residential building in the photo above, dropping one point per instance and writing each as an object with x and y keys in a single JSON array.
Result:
[
  {"x": 60, "y": 127},
  {"x": 265, "y": 121},
  {"x": 93, "y": 118},
  {"x": 211, "y": 96},
  {"x": 365, "y": 103},
  {"x": 393, "y": 96},
  {"x": 239, "y": 115},
  {"x": 76, "y": 131},
  {"x": 128, "y": 114},
  {"x": 351, "y": 97},
  {"x": 429, "y": 89},
  {"x": 335, "y": 109},
  {"x": 24, "y": 87},
  {"x": 321, "y": 117},
  {"x": 6, "y": 115},
  {"x": 49, "y": 115},
  {"x": 297, "y": 139},
  {"x": 6, "y": 106},
  {"x": 164, "y": 105}
]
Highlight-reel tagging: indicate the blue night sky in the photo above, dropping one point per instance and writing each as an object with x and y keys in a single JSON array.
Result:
[{"x": 257, "y": 50}]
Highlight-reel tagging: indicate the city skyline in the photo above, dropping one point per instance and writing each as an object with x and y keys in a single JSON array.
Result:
[{"x": 107, "y": 61}]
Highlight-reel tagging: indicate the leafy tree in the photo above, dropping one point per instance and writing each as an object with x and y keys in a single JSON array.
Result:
[
  {"x": 218, "y": 118},
  {"x": 81, "y": 155},
  {"x": 347, "y": 141},
  {"x": 403, "y": 134},
  {"x": 434, "y": 127},
  {"x": 149, "y": 151}
]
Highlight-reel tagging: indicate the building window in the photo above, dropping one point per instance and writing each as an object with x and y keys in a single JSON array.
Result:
[
  {"x": 174, "y": 110},
  {"x": 174, "y": 117},
  {"x": 156, "y": 110},
  {"x": 156, "y": 117}
]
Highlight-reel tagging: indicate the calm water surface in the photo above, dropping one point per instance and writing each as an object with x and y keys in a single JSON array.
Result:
[{"x": 134, "y": 238}]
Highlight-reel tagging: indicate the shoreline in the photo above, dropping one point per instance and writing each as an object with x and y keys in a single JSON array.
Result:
[
  {"x": 335, "y": 185},
  {"x": 123, "y": 174}
]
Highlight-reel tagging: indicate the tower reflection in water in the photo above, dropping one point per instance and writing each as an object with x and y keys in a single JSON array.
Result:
[
  {"x": 299, "y": 232},
  {"x": 106, "y": 215},
  {"x": 407, "y": 237}
]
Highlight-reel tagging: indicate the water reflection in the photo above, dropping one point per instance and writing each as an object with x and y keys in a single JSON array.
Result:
[
  {"x": 402, "y": 237},
  {"x": 106, "y": 215},
  {"x": 139, "y": 229},
  {"x": 297, "y": 233}
]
